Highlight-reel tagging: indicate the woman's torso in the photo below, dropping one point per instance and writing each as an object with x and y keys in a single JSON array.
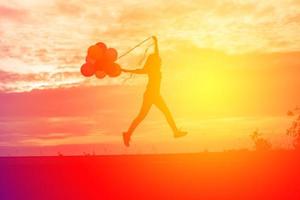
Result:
[
  {"x": 154, "y": 82},
  {"x": 154, "y": 76}
]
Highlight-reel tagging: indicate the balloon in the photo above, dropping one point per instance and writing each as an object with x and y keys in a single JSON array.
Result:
[
  {"x": 111, "y": 54},
  {"x": 100, "y": 61},
  {"x": 95, "y": 52},
  {"x": 90, "y": 60},
  {"x": 100, "y": 65},
  {"x": 87, "y": 70},
  {"x": 108, "y": 67},
  {"x": 114, "y": 70},
  {"x": 102, "y": 46},
  {"x": 100, "y": 74}
]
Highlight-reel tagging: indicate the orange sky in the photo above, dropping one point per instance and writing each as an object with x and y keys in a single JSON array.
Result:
[{"x": 229, "y": 67}]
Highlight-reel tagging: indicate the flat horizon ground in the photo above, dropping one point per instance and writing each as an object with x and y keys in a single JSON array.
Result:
[{"x": 209, "y": 176}]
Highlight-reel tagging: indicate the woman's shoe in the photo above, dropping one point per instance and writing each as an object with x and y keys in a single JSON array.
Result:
[
  {"x": 126, "y": 139},
  {"x": 179, "y": 134}
]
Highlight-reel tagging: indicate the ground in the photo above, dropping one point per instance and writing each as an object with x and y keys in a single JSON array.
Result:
[{"x": 209, "y": 176}]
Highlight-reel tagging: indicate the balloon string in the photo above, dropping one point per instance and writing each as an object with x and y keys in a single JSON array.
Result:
[
  {"x": 140, "y": 63},
  {"x": 144, "y": 56},
  {"x": 130, "y": 50},
  {"x": 126, "y": 79}
]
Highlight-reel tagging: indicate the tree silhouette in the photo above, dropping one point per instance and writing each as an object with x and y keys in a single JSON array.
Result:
[
  {"x": 294, "y": 129},
  {"x": 59, "y": 154},
  {"x": 260, "y": 143}
]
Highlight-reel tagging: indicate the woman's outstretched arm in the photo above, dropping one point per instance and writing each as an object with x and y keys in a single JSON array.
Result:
[{"x": 135, "y": 71}]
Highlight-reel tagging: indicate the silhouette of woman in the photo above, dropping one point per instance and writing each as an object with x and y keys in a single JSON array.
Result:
[{"x": 152, "y": 95}]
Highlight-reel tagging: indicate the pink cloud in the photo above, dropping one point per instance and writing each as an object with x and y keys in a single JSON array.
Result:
[
  {"x": 66, "y": 102},
  {"x": 26, "y": 128},
  {"x": 11, "y": 77},
  {"x": 17, "y": 15}
]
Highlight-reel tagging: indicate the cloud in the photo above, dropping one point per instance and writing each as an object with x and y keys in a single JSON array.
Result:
[
  {"x": 64, "y": 102},
  {"x": 10, "y": 77},
  {"x": 69, "y": 8},
  {"x": 48, "y": 127},
  {"x": 11, "y": 81},
  {"x": 295, "y": 18},
  {"x": 12, "y": 14}
]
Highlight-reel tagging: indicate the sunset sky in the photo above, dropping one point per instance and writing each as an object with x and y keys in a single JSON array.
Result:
[{"x": 229, "y": 67}]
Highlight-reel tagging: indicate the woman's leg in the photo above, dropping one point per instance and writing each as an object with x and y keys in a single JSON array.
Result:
[
  {"x": 142, "y": 114},
  {"x": 162, "y": 106}
]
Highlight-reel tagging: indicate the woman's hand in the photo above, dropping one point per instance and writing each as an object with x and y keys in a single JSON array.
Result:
[
  {"x": 154, "y": 38},
  {"x": 125, "y": 70},
  {"x": 156, "y": 51}
]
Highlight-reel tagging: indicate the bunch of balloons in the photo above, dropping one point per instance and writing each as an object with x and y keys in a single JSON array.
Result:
[{"x": 101, "y": 61}]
